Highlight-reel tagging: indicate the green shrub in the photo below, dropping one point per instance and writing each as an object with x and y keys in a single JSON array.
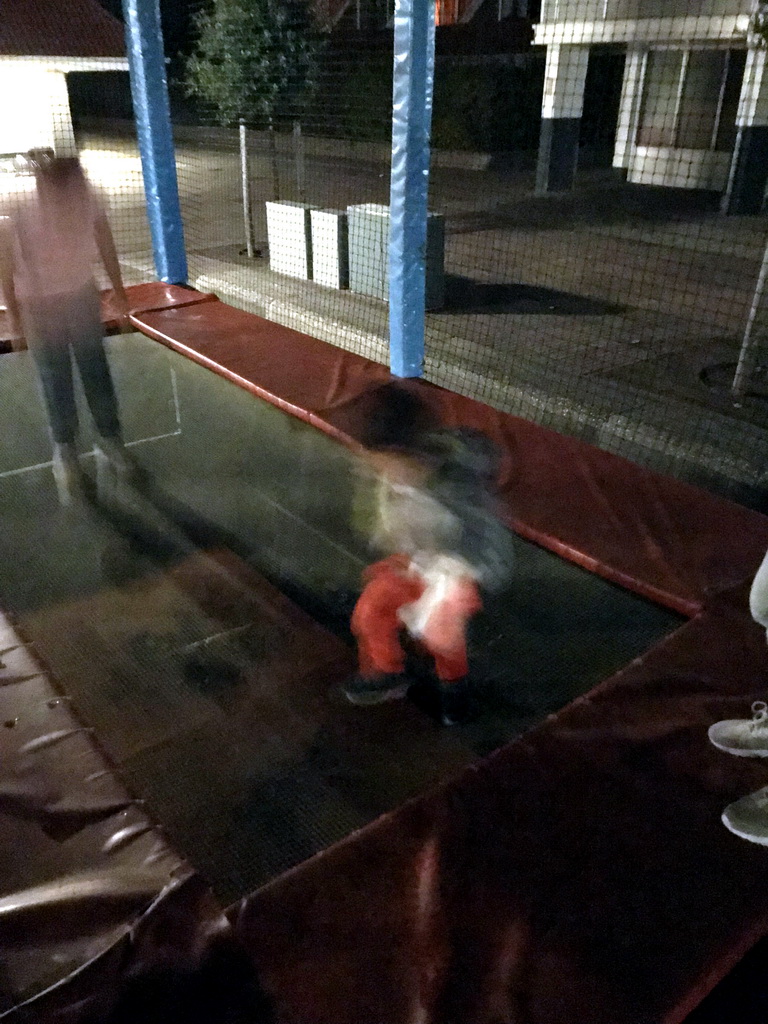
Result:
[
  {"x": 255, "y": 59},
  {"x": 492, "y": 106}
]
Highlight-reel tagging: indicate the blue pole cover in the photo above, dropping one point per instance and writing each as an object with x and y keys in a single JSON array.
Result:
[
  {"x": 149, "y": 88},
  {"x": 413, "y": 82}
]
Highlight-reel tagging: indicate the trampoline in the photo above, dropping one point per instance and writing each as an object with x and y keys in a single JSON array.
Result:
[
  {"x": 117, "y": 603},
  {"x": 198, "y": 624}
]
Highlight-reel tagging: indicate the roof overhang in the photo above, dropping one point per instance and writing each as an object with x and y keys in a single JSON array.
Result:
[
  {"x": 722, "y": 29},
  {"x": 66, "y": 64}
]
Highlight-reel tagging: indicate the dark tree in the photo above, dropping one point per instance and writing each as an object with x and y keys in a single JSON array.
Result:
[{"x": 254, "y": 59}]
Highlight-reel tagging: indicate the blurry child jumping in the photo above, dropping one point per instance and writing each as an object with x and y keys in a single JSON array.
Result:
[{"x": 435, "y": 523}]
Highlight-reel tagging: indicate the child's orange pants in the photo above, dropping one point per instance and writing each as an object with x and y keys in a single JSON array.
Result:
[{"x": 376, "y": 625}]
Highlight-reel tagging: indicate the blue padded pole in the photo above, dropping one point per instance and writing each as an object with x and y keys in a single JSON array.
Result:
[
  {"x": 414, "y": 75},
  {"x": 149, "y": 88}
]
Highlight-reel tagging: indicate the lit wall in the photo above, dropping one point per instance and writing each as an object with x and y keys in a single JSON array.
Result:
[{"x": 34, "y": 109}]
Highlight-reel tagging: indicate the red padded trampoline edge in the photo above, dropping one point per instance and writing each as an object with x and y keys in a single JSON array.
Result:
[
  {"x": 715, "y": 973},
  {"x": 222, "y": 371},
  {"x": 666, "y": 598},
  {"x": 679, "y": 1007}
]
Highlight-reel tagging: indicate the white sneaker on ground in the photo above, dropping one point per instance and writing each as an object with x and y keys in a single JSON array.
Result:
[
  {"x": 113, "y": 451},
  {"x": 67, "y": 473},
  {"x": 748, "y": 817},
  {"x": 113, "y": 464},
  {"x": 758, "y": 595},
  {"x": 742, "y": 736}
]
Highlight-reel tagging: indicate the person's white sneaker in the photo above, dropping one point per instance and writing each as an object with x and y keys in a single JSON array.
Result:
[
  {"x": 113, "y": 463},
  {"x": 748, "y": 817},
  {"x": 67, "y": 473},
  {"x": 742, "y": 736},
  {"x": 758, "y": 595},
  {"x": 114, "y": 452}
]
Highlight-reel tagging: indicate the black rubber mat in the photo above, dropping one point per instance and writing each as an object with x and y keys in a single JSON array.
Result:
[{"x": 221, "y": 712}]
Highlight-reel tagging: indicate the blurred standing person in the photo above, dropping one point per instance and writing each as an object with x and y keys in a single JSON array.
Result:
[{"x": 50, "y": 243}]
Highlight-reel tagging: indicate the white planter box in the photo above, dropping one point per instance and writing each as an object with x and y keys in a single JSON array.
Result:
[
  {"x": 289, "y": 235},
  {"x": 369, "y": 253},
  {"x": 330, "y": 251}
]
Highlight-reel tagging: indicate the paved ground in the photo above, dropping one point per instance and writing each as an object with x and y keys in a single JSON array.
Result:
[{"x": 615, "y": 314}]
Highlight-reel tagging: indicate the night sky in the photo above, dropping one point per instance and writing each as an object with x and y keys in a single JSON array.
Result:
[{"x": 176, "y": 17}]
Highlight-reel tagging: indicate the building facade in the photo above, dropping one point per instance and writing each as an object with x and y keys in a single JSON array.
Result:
[
  {"x": 694, "y": 102},
  {"x": 41, "y": 41}
]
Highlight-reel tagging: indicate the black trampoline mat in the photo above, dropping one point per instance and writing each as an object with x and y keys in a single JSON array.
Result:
[{"x": 254, "y": 761}]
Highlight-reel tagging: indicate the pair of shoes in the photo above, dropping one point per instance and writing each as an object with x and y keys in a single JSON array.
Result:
[
  {"x": 376, "y": 689},
  {"x": 67, "y": 473},
  {"x": 747, "y": 817},
  {"x": 448, "y": 704}
]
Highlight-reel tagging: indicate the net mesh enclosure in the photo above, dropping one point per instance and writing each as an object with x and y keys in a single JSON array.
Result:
[{"x": 596, "y": 238}]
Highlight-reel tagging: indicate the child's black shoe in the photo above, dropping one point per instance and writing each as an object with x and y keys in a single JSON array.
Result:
[
  {"x": 447, "y": 703},
  {"x": 457, "y": 704},
  {"x": 375, "y": 689}
]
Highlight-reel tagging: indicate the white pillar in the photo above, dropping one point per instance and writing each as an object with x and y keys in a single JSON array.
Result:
[
  {"x": 629, "y": 107},
  {"x": 564, "y": 79},
  {"x": 753, "y": 101},
  {"x": 561, "y": 110}
]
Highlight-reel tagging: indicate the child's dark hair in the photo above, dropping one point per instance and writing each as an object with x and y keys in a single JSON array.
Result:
[{"x": 396, "y": 418}]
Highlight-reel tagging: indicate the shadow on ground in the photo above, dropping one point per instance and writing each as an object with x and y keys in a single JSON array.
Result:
[
  {"x": 719, "y": 378},
  {"x": 463, "y": 295},
  {"x": 605, "y": 204}
]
